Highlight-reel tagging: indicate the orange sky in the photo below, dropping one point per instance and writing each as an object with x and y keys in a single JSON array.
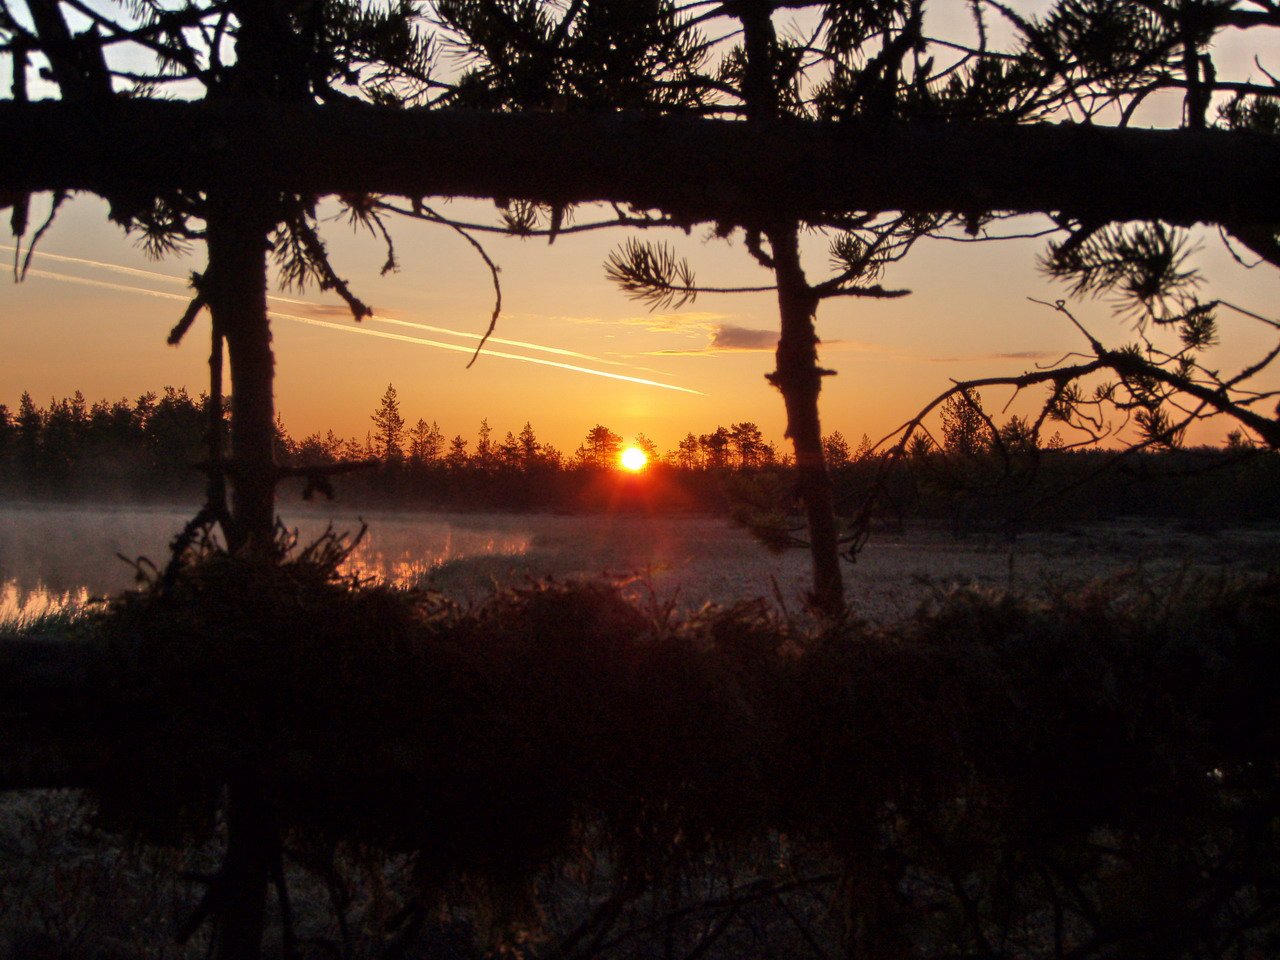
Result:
[{"x": 76, "y": 325}]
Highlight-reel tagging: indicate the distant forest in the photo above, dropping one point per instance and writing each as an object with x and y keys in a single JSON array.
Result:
[{"x": 969, "y": 477}]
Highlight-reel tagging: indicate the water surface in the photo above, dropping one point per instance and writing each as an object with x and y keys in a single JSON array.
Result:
[{"x": 52, "y": 556}]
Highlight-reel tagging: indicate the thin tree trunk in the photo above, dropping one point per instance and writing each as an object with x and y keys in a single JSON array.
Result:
[
  {"x": 238, "y": 227},
  {"x": 799, "y": 378},
  {"x": 252, "y": 839},
  {"x": 237, "y": 239},
  {"x": 798, "y": 375}
]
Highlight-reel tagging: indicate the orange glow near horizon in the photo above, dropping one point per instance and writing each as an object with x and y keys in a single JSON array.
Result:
[
  {"x": 633, "y": 459},
  {"x": 570, "y": 350}
]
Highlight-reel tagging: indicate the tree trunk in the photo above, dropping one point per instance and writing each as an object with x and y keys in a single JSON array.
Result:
[
  {"x": 798, "y": 375},
  {"x": 238, "y": 229},
  {"x": 236, "y": 287},
  {"x": 252, "y": 841},
  {"x": 799, "y": 378}
]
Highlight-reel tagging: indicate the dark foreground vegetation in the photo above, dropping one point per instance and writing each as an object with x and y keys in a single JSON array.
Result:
[{"x": 558, "y": 772}]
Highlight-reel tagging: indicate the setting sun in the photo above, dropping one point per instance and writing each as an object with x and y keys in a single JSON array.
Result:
[{"x": 633, "y": 459}]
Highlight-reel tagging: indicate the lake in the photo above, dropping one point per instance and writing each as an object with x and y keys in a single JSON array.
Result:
[{"x": 54, "y": 555}]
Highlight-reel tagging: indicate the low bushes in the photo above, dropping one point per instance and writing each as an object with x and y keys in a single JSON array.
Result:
[{"x": 1092, "y": 774}]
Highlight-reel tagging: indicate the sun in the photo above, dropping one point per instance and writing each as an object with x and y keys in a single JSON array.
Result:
[{"x": 633, "y": 459}]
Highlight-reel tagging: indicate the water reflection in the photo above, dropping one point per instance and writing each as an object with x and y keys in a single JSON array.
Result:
[
  {"x": 22, "y": 605},
  {"x": 54, "y": 557},
  {"x": 405, "y": 554}
]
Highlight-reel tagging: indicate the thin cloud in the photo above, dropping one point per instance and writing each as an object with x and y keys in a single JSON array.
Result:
[
  {"x": 652, "y": 322},
  {"x": 1028, "y": 355},
  {"x": 675, "y": 322},
  {"x": 1024, "y": 355},
  {"x": 105, "y": 285},
  {"x": 727, "y": 338},
  {"x": 748, "y": 340},
  {"x": 112, "y": 267},
  {"x": 321, "y": 310}
]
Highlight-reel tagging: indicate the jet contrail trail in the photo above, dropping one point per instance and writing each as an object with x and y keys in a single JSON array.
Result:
[
  {"x": 113, "y": 267},
  {"x": 488, "y": 353},
  {"x": 511, "y": 343},
  {"x": 105, "y": 284},
  {"x": 365, "y": 331},
  {"x": 151, "y": 274}
]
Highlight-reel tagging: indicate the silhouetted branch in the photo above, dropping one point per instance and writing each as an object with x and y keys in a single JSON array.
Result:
[
  {"x": 753, "y": 891},
  {"x": 497, "y": 289},
  {"x": 301, "y": 252},
  {"x": 198, "y": 303},
  {"x": 694, "y": 169},
  {"x": 654, "y": 274},
  {"x": 1216, "y": 397},
  {"x": 876, "y": 292},
  {"x": 421, "y": 212},
  {"x": 59, "y": 198}
]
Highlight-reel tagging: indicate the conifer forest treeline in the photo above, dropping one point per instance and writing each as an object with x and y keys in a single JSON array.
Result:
[{"x": 150, "y": 450}]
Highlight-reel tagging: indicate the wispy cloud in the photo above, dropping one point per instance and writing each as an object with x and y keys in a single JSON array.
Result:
[
  {"x": 1028, "y": 355},
  {"x": 111, "y": 267},
  {"x": 364, "y": 330},
  {"x": 321, "y": 310},
  {"x": 675, "y": 322},
  {"x": 1024, "y": 355},
  {"x": 106, "y": 285},
  {"x": 728, "y": 337},
  {"x": 682, "y": 321}
]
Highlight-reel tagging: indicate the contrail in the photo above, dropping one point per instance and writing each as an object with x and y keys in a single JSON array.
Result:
[
  {"x": 364, "y": 331},
  {"x": 152, "y": 274},
  {"x": 113, "y": 267},
  {"x": 511, "y": 343},
  {"x": 488, "y": 353},
  {"x": 107, "y": 285}
]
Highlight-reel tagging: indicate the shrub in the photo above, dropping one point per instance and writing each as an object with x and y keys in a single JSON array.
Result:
[{"x": 1079, "y": 775}]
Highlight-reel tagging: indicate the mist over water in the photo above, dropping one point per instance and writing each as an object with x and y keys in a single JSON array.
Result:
[
  {"x": 55, "y": 556},
  {"x": 52, "y": 557}
]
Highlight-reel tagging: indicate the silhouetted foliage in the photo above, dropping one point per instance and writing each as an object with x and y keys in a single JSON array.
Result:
[{"x": 1081, "y": 775}]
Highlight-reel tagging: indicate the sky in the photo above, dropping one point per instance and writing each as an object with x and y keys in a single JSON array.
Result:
[
  {"x": 570, "y": 350},
  {"x": 94, "y": 312}
]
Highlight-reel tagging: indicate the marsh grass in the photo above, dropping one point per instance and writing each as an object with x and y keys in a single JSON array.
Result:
[{"x": 53, "y": 623}]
